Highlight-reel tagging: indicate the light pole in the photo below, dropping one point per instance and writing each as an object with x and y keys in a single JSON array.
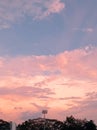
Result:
[
  {"x": 44, "y": 112},
  {"x": 12, "y": 125}
]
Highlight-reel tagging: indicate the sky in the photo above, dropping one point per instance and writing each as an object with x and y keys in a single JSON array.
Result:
[{"x": 48, "y": 59}]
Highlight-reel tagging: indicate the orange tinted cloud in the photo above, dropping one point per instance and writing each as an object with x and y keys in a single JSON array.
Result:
[{"x": 58, "y": 82}]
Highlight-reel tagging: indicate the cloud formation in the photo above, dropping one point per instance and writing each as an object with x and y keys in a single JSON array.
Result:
[
  {"x": 16, "y": 10},
  {"x": 29, "y": 115},
  {"x": 79, "y": 64},
  {"x": 59, "y": 82},
  {"x": 85, "y": 107},
  {"x": 26, "y": 91}
]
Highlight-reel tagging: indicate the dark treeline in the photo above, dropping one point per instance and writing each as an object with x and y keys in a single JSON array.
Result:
[
  {"x": 4, "y": 125},
  {"x": 70, "y": 123}
]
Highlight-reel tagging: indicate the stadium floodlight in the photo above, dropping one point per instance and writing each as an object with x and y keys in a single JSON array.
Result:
[{"x": 44, "y": 112}]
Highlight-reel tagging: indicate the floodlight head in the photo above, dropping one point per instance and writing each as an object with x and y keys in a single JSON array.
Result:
[{"x": 44, "y": 111}]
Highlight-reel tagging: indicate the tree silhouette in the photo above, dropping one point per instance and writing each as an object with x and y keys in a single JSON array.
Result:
[
  {"x": 89, "y": 125},
  {"x": 4, "y": 125},
  {"x": 77, "y": 124},
  {"x": 70, "y": 123}
]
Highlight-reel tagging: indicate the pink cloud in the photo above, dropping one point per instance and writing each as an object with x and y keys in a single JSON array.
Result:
[
  {"x": 84, "y": 108},
  {"x": 79, "y": 64},
  {"x": 13, "y": 11},
  {"x": 26, "y": 92},
  {"x": 54, "y": 7},
  {"x": 55, "y": 82}
]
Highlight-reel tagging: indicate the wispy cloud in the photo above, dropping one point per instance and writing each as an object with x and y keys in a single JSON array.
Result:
[
  {"x": 88, "y": 30},
  {"x": 26, "y": 91},
  {"x": 18, "y": 108},
  {"x": 29, "y": 115},
  {"x": 69, "y": 98},
  {"x": 14, "y": 11},
  {"x": 85, "y": 108}
]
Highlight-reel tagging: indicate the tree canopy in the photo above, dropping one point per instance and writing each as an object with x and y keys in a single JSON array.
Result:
[{"x": 70, "y": 123}]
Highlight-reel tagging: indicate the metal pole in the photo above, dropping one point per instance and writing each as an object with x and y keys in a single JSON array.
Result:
[
  {"x": 44, "y": 112},
  {"x": 44, "y": 121}
]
